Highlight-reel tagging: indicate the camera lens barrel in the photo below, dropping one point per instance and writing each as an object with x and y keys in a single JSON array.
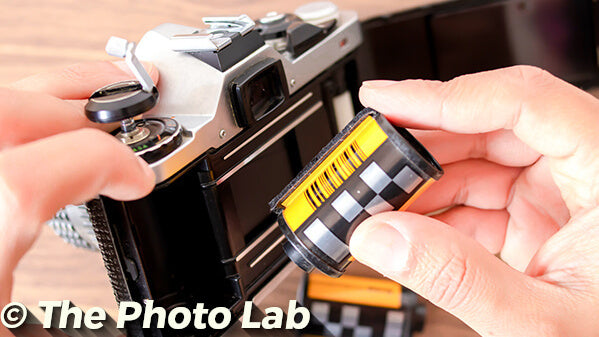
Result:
[{"x": 368, "y": 168}]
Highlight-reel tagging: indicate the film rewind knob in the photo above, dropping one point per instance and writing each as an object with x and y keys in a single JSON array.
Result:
[
  {"x": 318, "y": 13},
  {"x": 151, "y": 138},
  {"x": 124, "y": 100}
]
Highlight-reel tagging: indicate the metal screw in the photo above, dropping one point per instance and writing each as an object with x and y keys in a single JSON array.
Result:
[
  {"x": 222, "y": 133},
  {"x": 292, "y": 82},
  {"x": 272, "y": 17},
  {"x": 127, "y": 125}
]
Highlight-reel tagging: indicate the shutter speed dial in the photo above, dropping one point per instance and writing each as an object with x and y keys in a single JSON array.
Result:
[
  {"x": 160, "y": 137},
  {"x": 152, "y": 138}
]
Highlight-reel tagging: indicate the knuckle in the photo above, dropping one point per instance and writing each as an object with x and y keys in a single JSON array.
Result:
[
  {"x": 75, "y": 73},
  {"x": 451, "y": 286},
  {"x": 529, "y": 80},
  {"x": 531, "y": 75},
  {"x": 462, "y": 193},
  {"x": 479, "y": 147},
  {"x": 82, "y": 72},
  {"x": 446, "y": 96},
  {"x": 452, "y": 96}
]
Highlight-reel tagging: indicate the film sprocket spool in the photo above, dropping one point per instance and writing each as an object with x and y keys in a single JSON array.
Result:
[{"x": 368, "y": 168}]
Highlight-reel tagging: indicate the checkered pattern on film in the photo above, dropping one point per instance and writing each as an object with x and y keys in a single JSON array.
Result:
[
  {"x": 369, "y": 195},
  {"x": 345, "y": 320}
]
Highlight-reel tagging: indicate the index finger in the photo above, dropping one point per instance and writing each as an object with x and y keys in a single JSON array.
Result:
[
  {"x": 34, "y": 107},
  {"x": 550, "y": 115},
  {"x": 80, "y": 80}
]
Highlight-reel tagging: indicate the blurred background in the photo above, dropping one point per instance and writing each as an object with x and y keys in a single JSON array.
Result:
[{"x": 37, "y": 35}]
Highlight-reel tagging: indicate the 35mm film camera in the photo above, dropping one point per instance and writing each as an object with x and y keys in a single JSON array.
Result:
[{"x": 244, "y": 105}]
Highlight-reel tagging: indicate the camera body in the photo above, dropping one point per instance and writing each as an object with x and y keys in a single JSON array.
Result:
[{"x": 255, "y": 102}]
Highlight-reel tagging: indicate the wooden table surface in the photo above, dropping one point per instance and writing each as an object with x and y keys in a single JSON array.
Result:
[
  {"x": 37, "y": 35},
  {"x": 40, "y": 35}
]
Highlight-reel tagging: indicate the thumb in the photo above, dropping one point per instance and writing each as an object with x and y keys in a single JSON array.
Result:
[{"x": 451, "y": 270}]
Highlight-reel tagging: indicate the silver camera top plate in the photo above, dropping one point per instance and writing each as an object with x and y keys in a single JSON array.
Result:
[{"x": 197, "y": 95}]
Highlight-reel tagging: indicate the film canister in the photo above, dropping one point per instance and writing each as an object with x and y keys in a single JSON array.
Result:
[{"x": 370, "y": 167}]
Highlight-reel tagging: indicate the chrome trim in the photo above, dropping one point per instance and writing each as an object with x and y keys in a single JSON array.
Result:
[
  {"x": 256, "y": 242},
  {"x": 268, "y": 250},
  {"x": 276, "y": 137},
  {"x": 267, "y": 126}
]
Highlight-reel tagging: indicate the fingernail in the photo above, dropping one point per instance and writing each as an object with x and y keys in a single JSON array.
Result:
[
  {"x": 377, "y": 84},
  {"x": 146, "y": 168},
  {"x": 380, "y": 246}
]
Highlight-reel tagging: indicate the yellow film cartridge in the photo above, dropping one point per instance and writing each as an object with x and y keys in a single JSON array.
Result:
[{"x": 369, "y": 167}]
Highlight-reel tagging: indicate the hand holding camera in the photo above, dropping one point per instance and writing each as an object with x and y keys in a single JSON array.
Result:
[{"x": 43, "y": 119}]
